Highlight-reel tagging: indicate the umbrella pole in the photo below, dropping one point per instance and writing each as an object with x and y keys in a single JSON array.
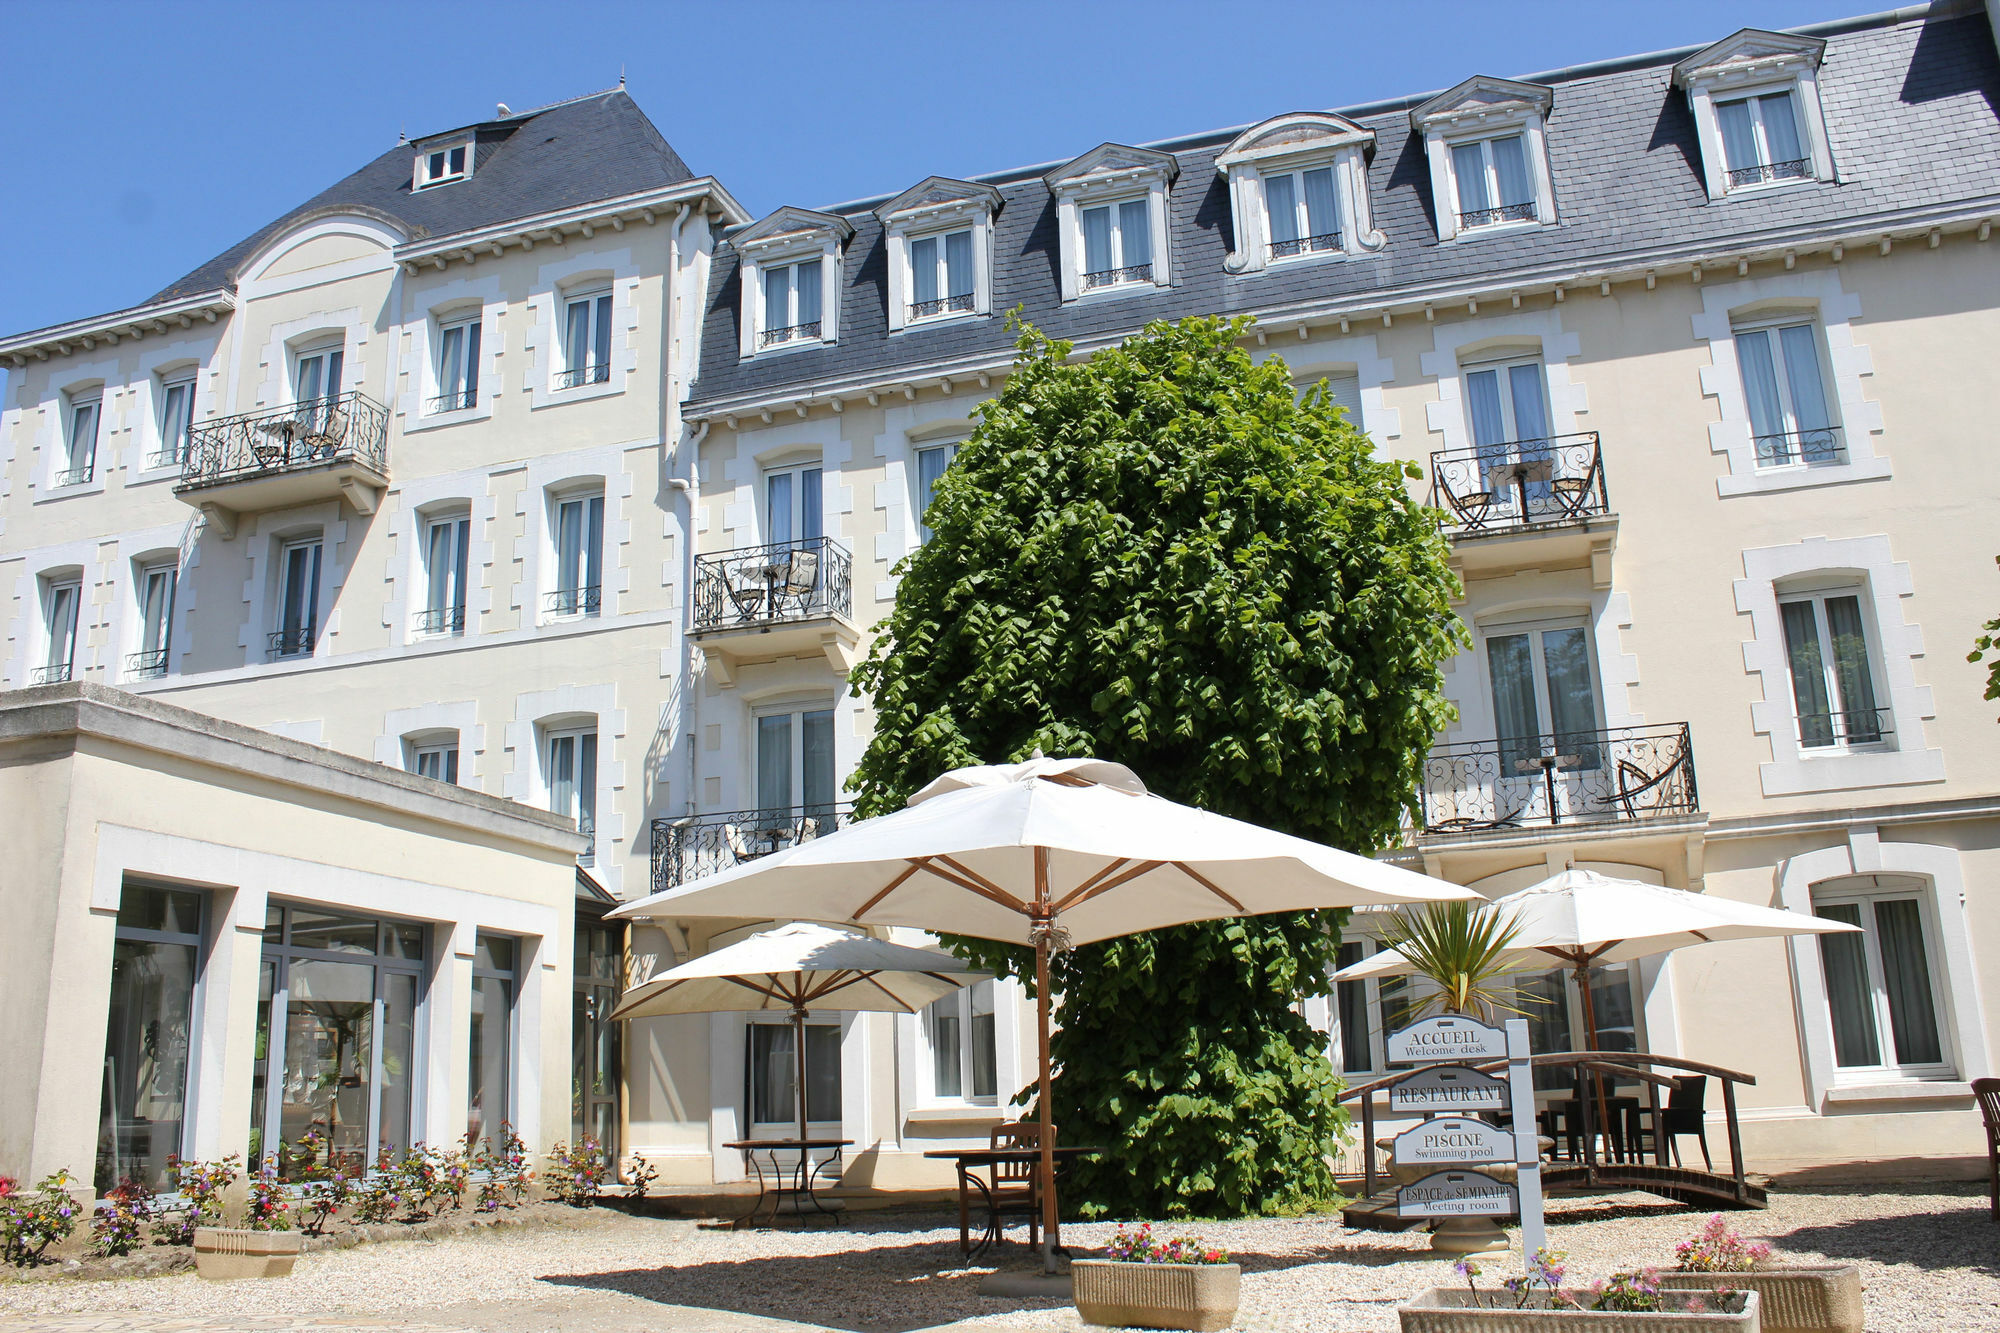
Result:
[
  {"x": 1042, "y": 922},
  {"x": 1590, "y": 1032},
  {"x": 799, "y": 1049}
]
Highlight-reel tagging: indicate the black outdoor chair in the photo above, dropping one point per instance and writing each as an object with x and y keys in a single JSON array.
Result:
[
  {"x": 1986, "y": 1091},
  {"x": 1681, "y": 1115}
]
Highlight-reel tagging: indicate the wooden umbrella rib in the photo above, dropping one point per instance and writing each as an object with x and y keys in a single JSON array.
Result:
[
  {"x": 1083, "y": 893},
  {"x": 838, "y": 979},
  {"x": 974, "y": 882},
  {"x": 869, "y": 977},
  {"x": 773, "y": 991},
  {"x": 1203, "y": 880},
  {"x": 921, "y": 863}
]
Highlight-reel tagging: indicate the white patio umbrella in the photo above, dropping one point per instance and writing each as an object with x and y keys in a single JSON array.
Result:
[
  {"x": 1051, "y": 852},
  {"x": 801, "y": 967}
]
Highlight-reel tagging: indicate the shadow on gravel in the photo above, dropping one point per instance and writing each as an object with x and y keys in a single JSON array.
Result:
[{"x": 1952, "y": 1237}]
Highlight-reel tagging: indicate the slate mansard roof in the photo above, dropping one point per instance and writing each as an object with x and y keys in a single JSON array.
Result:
[{"x": 1911, "y": 113}]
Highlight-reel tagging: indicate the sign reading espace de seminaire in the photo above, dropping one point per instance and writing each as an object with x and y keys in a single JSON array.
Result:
[
  {"x": 1450, "y": 1140},
  {"x": 1448, "y": 1088},
  {"x": 1446, "y": 1037},
  {"x": 1457, "y": 1194}
]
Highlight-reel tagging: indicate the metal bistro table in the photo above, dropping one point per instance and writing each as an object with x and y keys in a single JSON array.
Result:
[
  {"x": 799, "y": 1182},
  {"x": 969, "y": 1160}
]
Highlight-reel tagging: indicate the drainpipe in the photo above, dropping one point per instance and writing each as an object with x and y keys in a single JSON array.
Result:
[
  {"x": 673, "y": 440},
  {"x": 690, "y": 487}
]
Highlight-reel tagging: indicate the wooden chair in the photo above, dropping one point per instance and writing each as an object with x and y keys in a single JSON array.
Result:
[
  {"x": 1008, "y": 1191},
  {"x": 1986, "y": 1091},
  {"x": 1683, "y": 1114}
]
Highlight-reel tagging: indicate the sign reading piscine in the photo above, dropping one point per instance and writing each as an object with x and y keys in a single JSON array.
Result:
[
  {"x": 1458, "y": 1194},
  {"x": 1448, "y": 1088},
  {"x": 1446, "y": 1037},
  {"x": 1453, "y": 1140}
]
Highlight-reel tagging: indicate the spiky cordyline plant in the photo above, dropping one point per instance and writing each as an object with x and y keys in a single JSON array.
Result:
[{"x": 1462, "y": 949}]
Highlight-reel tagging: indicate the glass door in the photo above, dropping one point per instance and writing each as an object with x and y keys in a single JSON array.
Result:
[
  {"x": 1508, "y": 408},
  {"x": 316, "y": 390},
  {"x": 595, "y": 1041},
  {"x": 771, "y": 1070},
  {"x": 1545, "y": 715}
]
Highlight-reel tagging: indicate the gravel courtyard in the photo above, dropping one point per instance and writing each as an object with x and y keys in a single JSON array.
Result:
[{"x": 1930, "y": 1259}]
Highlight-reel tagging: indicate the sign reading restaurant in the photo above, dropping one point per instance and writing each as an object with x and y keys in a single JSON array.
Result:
[
  {"x": 1446, "y": 1037},
  {"x": 1453, "y": 1140},
  {"x": 1448, "y": 1088}
]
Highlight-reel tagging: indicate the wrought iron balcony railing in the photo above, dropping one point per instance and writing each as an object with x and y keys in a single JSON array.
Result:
[
  {"x": 1623, "y": 773},
  {"x": 573, "y": 601},
  {"x": 1488, "y": 217},
  {"x": 55, "y": 673},
  {"x": 457, "y": 402},
  {"x": 579, "y": 376},
  {"x": 1761, "y": 173},
  {"x": 166, "y": 456},
  {"x": 771, "y": 585},
  {"x": 1306, "y": 245},
  {"x": 1858, "y": 726},
  {"x": 1111, "y": 277},
  {"x": 687, "y": 849},
  {"x": 790, "y": 333},
  {"x": 943, "y": 305},
  {"x": 77, "y": 476},
  {"x": 351, "y": 427},
  {"x": 292, "y": 642},
  {"x": 1820, "y": 445},
  {"x": 1493, "y": 487},
  {"x": 146, "y": 665},
  {"x": 441, "y": 620}
]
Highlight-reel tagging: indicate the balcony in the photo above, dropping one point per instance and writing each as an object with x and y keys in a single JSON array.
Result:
[
  {"x": 1620, "y": 775},
  {"x": 688, "y": 849},
  {"x": 323, "y": 449},
  {"x": 1537, "y": 503},
  {"x": 789, "y": 599}
]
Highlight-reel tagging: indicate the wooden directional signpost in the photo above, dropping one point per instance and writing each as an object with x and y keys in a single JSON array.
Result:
[{"x": 1444, "y": 1090}]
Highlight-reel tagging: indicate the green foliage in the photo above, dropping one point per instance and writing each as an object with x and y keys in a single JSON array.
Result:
[
  {"x": 1463, "y": 951},
  {"x": 1163, "y": 556},
  {"x": 1989, "y": 642}
]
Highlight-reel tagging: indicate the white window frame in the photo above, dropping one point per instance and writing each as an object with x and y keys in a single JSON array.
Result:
[
  {"x": 170, "y": 451},
  {"x": 919, "y": 502},
  {"x": 785, "y": 239},
  {"x": 448, "y": 620},
  {"x": 1479, "y": 111},
  {"x": 144, "y": 577},
  {"x": 75, "y": 472},
  {"x": 797, "y": 280},
  {"x": 949, "y": 305},
  {"x": 1114, "y": 207},
  {"x": 933, "y": 209},
  {"x": 315, "y": 626},
  {"x": 1291, "y": 145},
  {"x": 795, "y": 775},
  {"x": 462, "y": 394},
  {"x": 437, "y": 754},
  {"x": 1511, "y": 424},
  {"x": 1816, "y": 595},
  {"x": 450, "y": 172},
  {"x": 582, "y": 598},
  {"x": 582, "y": 794},
  {"x": 800, "y": 511},
  {"x": 1770, "y": 325},
  {"x": 1760, "y": 132},
  {"x": 959, "y": 1007},
  {"x": 1373, "y": 1017},
  {"x": 1867, "y": 896},
  {"x": 1490, "y": 173},
  {"x": 1108, "y": 176},
  {"x": 593, "y": 365},
  {"x": 1756, "y": 64},
  {"x": 59, "y": 644}
]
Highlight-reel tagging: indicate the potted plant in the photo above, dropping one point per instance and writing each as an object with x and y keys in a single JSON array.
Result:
[
  {"x": 264, "y": 1246},
  {"x": 1145, "y": 1282},
  {"x": 1538, "y": 1302},
  {"x": 1797, "y": 1298}
]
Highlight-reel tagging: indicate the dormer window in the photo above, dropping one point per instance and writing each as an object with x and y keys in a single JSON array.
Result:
[
  {"x": 1111, "y": 220},
  {"x": 791, "y": 280},
  {"x": 1487, "y": 143},
  {"x": 939, "y": 235},
  {"x": 1298, "y": 190},
  {"x": 1755, "y": 98},
  {"x": 443, "y": 164},
  {"x": 941, "y": 274}
]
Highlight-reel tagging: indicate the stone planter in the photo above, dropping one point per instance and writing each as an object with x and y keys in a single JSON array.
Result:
[
  {"x": 233, "y": 1252},
  {"x": 1124, "y": 1295},
  {"x": 1453, "y": 1310},
  {"x": 1803, "y": 1298}
]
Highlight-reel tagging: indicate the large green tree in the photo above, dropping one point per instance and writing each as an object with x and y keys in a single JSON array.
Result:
[{"x": 1162, "y": 555}]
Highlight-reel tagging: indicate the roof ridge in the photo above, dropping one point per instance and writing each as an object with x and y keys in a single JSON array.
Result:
[{"x": 550, "y": 106}]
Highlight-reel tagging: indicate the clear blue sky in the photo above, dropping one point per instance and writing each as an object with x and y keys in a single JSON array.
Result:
[{"x": 143, "y": 138}]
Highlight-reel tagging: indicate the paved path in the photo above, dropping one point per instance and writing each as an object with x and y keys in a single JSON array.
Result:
[{"x": 600, "y": 1313}]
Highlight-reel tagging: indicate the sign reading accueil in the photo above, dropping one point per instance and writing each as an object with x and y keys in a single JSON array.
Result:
[
  {"x": 1446, "y": 1037},
  {"x": 1447, "y": 1088},
  {"x": 1452, "y": 1140},
  {"x": 1457, "y": 1194}
]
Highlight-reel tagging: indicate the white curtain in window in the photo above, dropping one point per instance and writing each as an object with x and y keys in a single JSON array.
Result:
[
  {"x": 1800, "y": 344},
  {"x": 1739, "y": 135},
  {"x": 1510, "y": 660},
  {"x": 1322, "y": 213},
  {"x": 176, "y": 414},
  {"x": 1781, "y": 128},
  {"x": 579, "y": 543},
  {"x": 1860, "y": 722},
  {"x": 1096, "y": 240},
  {"x": 1572, "y": 698},
  {"x": 301, "y": 596},
  {"x": 816, "y": 760},
  {"x": 1510, "y": 169},
  {"x": 958, "y": 263},
  {"x": 156, "y": 609},
  {"x": 1284, "y": 208},
  {"x": 63, "y": 600},
  {"x": 923, "y": 270},
  {"x": 777, "y": 298},
  {"x": 1531, "y": 417},
  {"x": 1482, "y": 400},
  {"x": 1468, "y": 167},
  {"x": 985, "y": 1046},
  {"x": 1906, "y": 981},
  {"x": 1844, "y": 960},
  {"x": 458, "y": 363},
  {"x": 945, "y": 1051},
  {"x": 931, "y": 465},
  {"x": 808, "y": 281},
  {"x": 1760, "y": 387},
  {"x": 774, "y": 762},
  {"x": 1809, "y": 693},
  {"x": 1135, "y": 233},
  {"x": 83, "y": 435}
]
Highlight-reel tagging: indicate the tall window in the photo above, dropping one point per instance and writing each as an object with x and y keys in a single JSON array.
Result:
[
  {"x": 62, "y": 605},
  {"x": 1833, "y": 678},
  {"x": 595, "y": 1041},
  {"x": 1507, "y": 403},
  {"x": 457, "y": 367},
  {"x": 80, "y": 451},
  {"x": 1543, "y": 687},
  {"x": 495, "y": 961},
  {"x": 1117, "y": 244},
  {"x": 1760, "y": 140},
  {"x": 1304, "y": 216},
  {"x": 579, "y": 550},
  {"x": 572, "y": 769},
  {"x": 1493, "y": 182},
  {"x": 1880, "y": 984},
  {"x": 795, "y": 760},
  {"x": 963, "y": 1040},
  {"x": 941, "y": 277},
  {"x": 586, "y": 340},
  {"x": 176, "y": 422},
  {"x": 317, "y": 375},
  {"x": 298, "y": 599},
  {"x": 1787, "y": 394},
  {"x": 436, "y": 757},
  {"x": 446, "y": 538},
  {"x": 794, "y": 510},
  {"x": 149, "y": 1035},
  {"x": 1358, "y": 1011},
  {"x": 155, "y": 585},
  {"x": 931, "y": 465},
  {"x": 791, "y": 303},
  {"x": 772, "y": 1074}
]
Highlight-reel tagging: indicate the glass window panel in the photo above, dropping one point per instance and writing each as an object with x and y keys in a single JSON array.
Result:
[
  {"x": 1906, "y": 980},
  {"x": 157, "y": 609},
  {"x": 1096, "y": 240},
  {"x": 774, "y": 762},
  {"x": 778, "y": 506},
  {"x": 63, "y": 601},
  {"x": 494, "y": 953},
  {"x": 1739, "y": 136},
  {"x": 817, "y": 758},
  {"x": 958, "y": 263},
  {"x": 1135, "y": 233},
  {"x": 144, "y": 1091},
  {"x": 1544, "y": 998},
  {"x": 984, "y": 1054},
  {"x": 1781, "y": 128},
  {"x": 586, "y": 784},
  {"x": 1611, "y": 1005},
  {"x": 931, "y": 465},
  {"x": 267, "y": 982},
  {"x": 1859, "y": 722},
  {"x": 1322, "y": 212},
  {"x": 809, "y": 291},
  {"x": 1482, "y": 399},
  {"x": 170, "y": 911},
  {"x": 812, "y": 511},
  {"x": 778, "y": 297},
  {"x": 593, "y": 541},
  {"x": 1802, "y": 647},
  {"x": 491, "y": 1042},
  {"x": 576, "y": 337},
  {"x": 569, "y": 545},
  {"x": 945, "y": 1053},
  {"x": 441, "y": 564},
  {"x": 1572, "y": 699},
  {"x": 399, "y": 1053},
  {"x": 328, "y": 1073},
  {"x": 332, "y": 932},
  {"x": 406, "y": 939},
  {"x": 1468, "y": 167},
  {"x": 1844, "y": 958},
  {"x": 1531, "y": 416},
  {"x": 600, "y": 354},
  {"x": 1510, "y": 169},
  {"x": 579, "y": 1060},
  {"x": 1281, "y": 197},
  {"x": 1510, "y": 659},
  {"x": 1800, "y": 344},
  {"x": 1357, "y": 1052},
  {"x": 1760, "y": 386},
  {"x": 924, "y": 270},
  {"x": 451, "y": 348}
]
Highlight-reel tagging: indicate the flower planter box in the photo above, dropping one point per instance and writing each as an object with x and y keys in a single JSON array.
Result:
[
  {"x": 233, "y": 1252},
  {"x": 1453, "y": 1310},
  {"x": 1803, "y": 1298},
  {"x": 1127, "y": 1295}
]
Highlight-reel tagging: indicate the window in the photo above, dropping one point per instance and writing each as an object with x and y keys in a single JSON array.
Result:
[
  {"x": 962, "y": 1034},
  {"x": 436, "y": 759},
  {"x": 1833, "y": 678},
  {"x": 1789, "y": 420},
  {"x": 155, "y": 585},
  {"x": 445, "y": 541},
  {"x": 1491, "y": 176},
  {"x": 794, "y": 759},
  {"x": 572, "y": 769},
  {"x": 1881, "y": 985},
  {"x": 79, "y": 461},
  {"x": 586, "y": 340},
  {"x": 579, "y": 552},
  {"x": 791, "y": 303},
  {"x": 1358, "y": 1009},
  {"x": 941, "y": 274},
  {"x": 1544, "y": 700},
  {"x": 1117, "y": 244},
  {"x": 595, "y": 1042},
  {"x": 62, "y": 605},
  {"x": 317, "y": 375},
  {"x": 458, "y": 366},
  {"x": 442, "y": 166},
  {"x": 176, "y": 423},
  {"x": 298, "y": 599},
  {"x": 1507, "y": 408},
  {"x": 794, "y": 512},
  {"x": 149, "y": 1035},
  {"x": 489, "y": 1086},
  {"x": 1760, "y": 140},
  {"x": 772, "y": 1074},
  {"x": 1302, "y": 212},
  {"x": 931, "y": 465},
  {"x": 1755, "y": 98}
]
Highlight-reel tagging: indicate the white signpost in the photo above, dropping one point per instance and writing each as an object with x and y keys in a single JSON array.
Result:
[
  {"x": 1446, "y": 1037},
  {"x": 1455, "y": 1141},
  {"x": 1449, "y": 1088},
  {"x": 1458, "y": 1194}
]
